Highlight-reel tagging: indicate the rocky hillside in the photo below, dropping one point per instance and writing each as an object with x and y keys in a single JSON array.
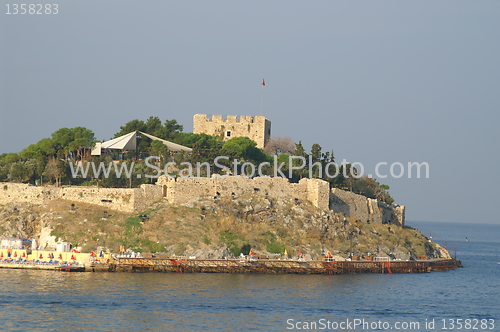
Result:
[{"x": 215, "y": 228}]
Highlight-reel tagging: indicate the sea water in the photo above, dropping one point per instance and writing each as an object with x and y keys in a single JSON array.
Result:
[{"x": 437, "y": 301}]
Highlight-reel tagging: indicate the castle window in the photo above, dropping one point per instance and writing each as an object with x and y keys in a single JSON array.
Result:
[{"x": 228, "y": 133}]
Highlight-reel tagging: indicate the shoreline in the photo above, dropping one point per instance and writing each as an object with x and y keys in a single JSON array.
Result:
[{"x": 248, "y": 266}]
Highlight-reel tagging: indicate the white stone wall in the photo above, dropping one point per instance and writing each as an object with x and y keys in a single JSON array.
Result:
[
  {"x": 183, "y": 190},
  {"x": 122, "y": 199},
  {"x": 365, "y": 209},
  {"x": 318, "y": 193}
]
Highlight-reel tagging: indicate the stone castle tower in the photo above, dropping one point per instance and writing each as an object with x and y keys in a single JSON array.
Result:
[{"x": 257, "y": 128}]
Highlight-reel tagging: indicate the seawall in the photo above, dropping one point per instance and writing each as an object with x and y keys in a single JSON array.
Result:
[{"x": 264, "y": 266}]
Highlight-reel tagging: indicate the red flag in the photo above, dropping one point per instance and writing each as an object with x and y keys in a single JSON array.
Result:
[{"x": 263, "y": 83}]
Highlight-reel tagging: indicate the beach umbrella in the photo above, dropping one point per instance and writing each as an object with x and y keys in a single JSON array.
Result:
[
  {"x": 101, "y": 254},
  {"x": 92, "y": 254},
  {"x": 1, "y": 254},
  {"x": 60, "y": 256},
  {"x": 15, "y": 253},
  {"x": 24, "y": 254},
  {"x": 41, "y": 256},
  {"x": 73, "y": 257}
]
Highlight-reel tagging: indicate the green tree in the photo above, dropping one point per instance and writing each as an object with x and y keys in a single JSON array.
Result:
[
  {"x": 31, "y": 170},
  {"x": 47, "y": 147},
  {"x": 32, "y": 151},
  {"x": 61, "y": 139},
  {"x": 72, "y": 141},
  {"x": 133, "y": 125},
  {"x": 300, "y": 152},
  {"x": 205, "y": 147},
  {"x": 17, "y": 171},
  {"x": 171, "y": 130},
  {"x": 244, "y": 149},
  {"x": 83, "y": 139},
  {"x": 315, "y": 152},
  {"x": 315, "y": 158},
  {"x": 158, "y": 149},
  {"x": 153, "y": 126},
  {"x": 11, "y": 158}
]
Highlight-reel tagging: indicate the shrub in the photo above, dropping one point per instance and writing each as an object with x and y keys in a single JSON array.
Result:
[{"x": 206, "y": 240}]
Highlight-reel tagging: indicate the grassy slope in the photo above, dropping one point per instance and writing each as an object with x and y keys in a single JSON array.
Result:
[{"x": 261, "y": 223}]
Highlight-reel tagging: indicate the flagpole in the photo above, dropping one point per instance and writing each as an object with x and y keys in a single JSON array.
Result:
[{"x": 262, "y": 96}]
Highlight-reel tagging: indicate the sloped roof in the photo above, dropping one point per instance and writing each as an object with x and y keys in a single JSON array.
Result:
[
  {"x": 129, "y": 142},
  {"x": 125, "y": 142},
  {"x": 170, "y": 145}
]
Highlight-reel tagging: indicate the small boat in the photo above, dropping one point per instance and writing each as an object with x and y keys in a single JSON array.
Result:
[{"x": 71, "y": 268}]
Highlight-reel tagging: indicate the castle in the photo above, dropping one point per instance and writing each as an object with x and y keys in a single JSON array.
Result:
[
  {"x": 257, "y": 128},
  {"x": 182, "y": 190}
]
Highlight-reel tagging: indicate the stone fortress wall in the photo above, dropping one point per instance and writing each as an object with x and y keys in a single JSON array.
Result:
[
  {"x": 183, "y": 190},
  {"x": 366, "y": 209},
  {"x": 257, "y": 128},
  {"x": 121, "y": 199}
]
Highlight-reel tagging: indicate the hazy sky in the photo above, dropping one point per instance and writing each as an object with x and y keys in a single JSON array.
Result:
[{"x": 375, "y": 81}]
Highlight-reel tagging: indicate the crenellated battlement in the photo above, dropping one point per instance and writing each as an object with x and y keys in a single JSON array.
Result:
[{"x": 220, "y": 119}]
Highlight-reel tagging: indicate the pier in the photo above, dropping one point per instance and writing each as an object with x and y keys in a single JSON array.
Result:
[
  {"x": 258, "y": 266},
  {"x": 265, "y": 266}
]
